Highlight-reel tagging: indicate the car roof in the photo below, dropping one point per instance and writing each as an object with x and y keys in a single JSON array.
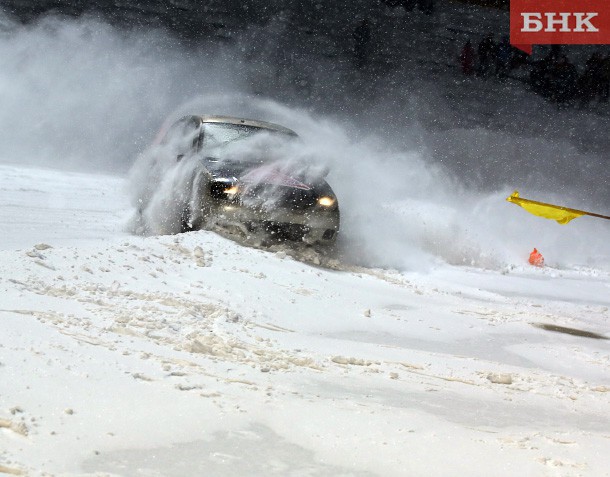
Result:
[{"x": 247, "y": 122}]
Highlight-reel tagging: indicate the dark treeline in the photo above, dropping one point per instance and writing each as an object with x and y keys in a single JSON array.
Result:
[
  {"x": 187, "y": 18},
  {"x": 553, "y": 76},
  {"x": 192, "y": 18}
]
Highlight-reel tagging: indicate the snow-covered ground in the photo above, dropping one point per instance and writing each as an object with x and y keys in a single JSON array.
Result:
[
  {"x": 426, "y": 346},
  {"x": 192, "y": 355}
]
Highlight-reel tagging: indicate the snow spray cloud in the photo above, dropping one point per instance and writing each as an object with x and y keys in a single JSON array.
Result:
[
  {"x": 81, "y": 94},
  {"x": 399, "y": 209},
  {"x": 366, "y": 176},
  {"x": 402, "y": 209},
  {"x": 414, "y": 184}
]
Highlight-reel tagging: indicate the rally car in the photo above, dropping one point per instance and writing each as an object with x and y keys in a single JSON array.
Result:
[{"x": 238, "y": 177}]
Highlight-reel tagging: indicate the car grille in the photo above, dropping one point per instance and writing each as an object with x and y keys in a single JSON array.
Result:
[
  {"x": 285, "y": 231},
  {"x": 288, "y": 197},
  {"x": 298, "y": 198}
]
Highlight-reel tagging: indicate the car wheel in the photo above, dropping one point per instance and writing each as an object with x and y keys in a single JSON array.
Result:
[
  {"x": 186, "y": 223},
  {"x": 196, "y": 213}
]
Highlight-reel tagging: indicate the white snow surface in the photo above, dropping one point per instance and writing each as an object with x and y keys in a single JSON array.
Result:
[{"x": 190, "y": 354}]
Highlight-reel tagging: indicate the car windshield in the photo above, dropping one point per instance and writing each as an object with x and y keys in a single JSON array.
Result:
[{"x": 217, "y": 134}]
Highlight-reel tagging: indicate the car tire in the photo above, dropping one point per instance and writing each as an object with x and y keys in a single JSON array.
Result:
[
  {"x": 196, "y": 213},
  {"x": 186, "y": 223}
]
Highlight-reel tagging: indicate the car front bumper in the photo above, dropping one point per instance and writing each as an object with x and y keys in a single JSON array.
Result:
[{"x": 315, "y": 225}]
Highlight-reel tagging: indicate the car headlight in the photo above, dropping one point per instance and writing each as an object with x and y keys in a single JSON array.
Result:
[
  {"x": 224, "y": 190},
  {"x": 231, "y": 191},
  {"x": 326, "y": 201}
]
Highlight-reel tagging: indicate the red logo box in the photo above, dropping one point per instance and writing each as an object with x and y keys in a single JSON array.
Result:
[{"x": 559, "y": 22}]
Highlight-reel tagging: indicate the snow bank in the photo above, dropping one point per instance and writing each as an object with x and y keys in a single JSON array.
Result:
[{"x": 189, "y": 354}]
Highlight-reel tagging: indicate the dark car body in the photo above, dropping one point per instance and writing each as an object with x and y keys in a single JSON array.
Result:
[{"x": 251, "y": 188}]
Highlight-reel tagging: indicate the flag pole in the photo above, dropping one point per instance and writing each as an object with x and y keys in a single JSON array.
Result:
[{"x": 597, "y": 215}]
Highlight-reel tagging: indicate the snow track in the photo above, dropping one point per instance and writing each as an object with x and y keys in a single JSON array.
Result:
[{"x": 192, "y": 355}]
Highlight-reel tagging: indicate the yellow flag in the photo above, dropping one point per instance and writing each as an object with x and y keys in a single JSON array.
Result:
[{"x": 549, "y": 211}]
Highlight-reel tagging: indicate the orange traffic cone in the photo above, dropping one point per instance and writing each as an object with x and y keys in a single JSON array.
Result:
[{"x": 536, "y": 258}]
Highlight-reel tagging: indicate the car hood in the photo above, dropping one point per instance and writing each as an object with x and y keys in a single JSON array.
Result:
[{"x": 284, "y": 174}]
